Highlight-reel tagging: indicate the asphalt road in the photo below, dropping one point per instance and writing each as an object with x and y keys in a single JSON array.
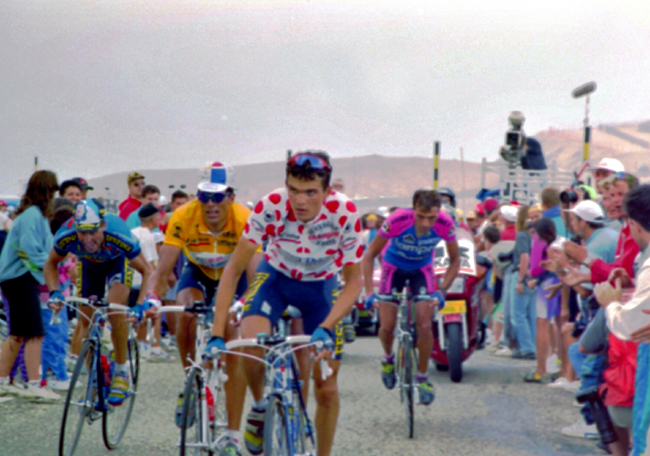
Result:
[{"x": 492, "y": 412}]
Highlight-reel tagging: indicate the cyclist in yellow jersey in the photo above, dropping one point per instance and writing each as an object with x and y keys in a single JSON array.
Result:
[{"x": 207, "y": 230}]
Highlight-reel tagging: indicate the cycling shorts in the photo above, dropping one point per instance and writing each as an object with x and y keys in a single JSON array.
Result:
[
  {"x": 94, "y": 278},
  {"x": 421, "y": 281},
  {"x": 193, "y": 277},
  {"x": 272, "y": 292}
]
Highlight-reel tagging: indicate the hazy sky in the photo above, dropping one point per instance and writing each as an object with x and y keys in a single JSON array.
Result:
[{"x": 94, "y": 87}]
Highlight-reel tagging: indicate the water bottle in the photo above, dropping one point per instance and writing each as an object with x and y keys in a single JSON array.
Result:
[
  {"x": 210, "y": 398},
  {"x": 106, "y": 371}
]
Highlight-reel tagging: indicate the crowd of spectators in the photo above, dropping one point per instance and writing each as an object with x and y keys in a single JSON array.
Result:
[{"x": 568, "y": 293}]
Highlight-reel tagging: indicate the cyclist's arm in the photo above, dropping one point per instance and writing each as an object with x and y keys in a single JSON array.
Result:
[
  {"x": 158, "y": 284},
  {"x": 454, "y": 265},
  {"x": 373, "y": 250},
  {"x": 241, "y": 257},
  {"x": 141, "y": 265},
  {"x": 347, "y": 297},
  {"x": 51, "y": 270}
]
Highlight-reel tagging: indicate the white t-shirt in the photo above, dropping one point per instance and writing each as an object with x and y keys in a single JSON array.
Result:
[
  {"x": 315, "y": 250},
  {"x": 5, "y": 221},
  {"x": 148, "y": 247}
]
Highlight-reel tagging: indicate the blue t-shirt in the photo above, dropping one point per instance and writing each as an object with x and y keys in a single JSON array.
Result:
[
  {"x": 118, "y": 242},
  {"x": 602, "y": 242},
  {"x": 555, "y": 214}
]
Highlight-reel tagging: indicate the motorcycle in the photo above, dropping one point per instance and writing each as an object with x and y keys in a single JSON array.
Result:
[{"x": 456, "y": 327}]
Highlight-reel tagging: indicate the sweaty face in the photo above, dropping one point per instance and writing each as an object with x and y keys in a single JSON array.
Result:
[
  {"x": 217, "y": 213},
  {"x": 92, "y": 242},
  {"x": 424, "y": 219},
  {"x": 73, "y": 194},
  {"x": 306, "y": 197}
]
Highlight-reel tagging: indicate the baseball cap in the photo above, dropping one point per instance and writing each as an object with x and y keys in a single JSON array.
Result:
[
  {"x": 82, "y": 183},
  {"x": 148, "y": 210},
  {"x": 480, "y": 210},
  {"x": 471, "y": 215},
  {"x": 88, "y": 215},
  {"x": 134, "y": 176},
  {"x": 3, "y": 203},
  {"x": 371, "y": 216},
  {"x": 609, "y": 164},
  {"x": 219, "y": 178},
  {"x": 490, "y": 204},
  {"x": 509, "y": 213},
  {"x": 588, "y": 210}
]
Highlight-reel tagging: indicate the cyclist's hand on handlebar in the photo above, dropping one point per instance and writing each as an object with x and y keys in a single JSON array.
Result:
[
  {"x": 56, "y": 301},
  {"x": 325, "y": 337},
  {"x": 370, "y": 301},
  {"x": 147, "y": 309},
  {"x": 215, "y": 344},
  {"x": 439, "y": 297}
]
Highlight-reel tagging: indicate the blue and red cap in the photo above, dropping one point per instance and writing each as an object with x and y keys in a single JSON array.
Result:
[{"x": 218, "y": 177}]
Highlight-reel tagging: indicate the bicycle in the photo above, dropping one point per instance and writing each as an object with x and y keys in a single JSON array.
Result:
[
  {"x": 406, "y": 356},
  {"x": 203, "y": 393},
  {"x": 86, "y": 400},
  {"x": 288, "y": 429}
]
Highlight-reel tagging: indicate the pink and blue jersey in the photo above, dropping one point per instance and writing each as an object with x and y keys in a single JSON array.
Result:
[{"x": 408, "y": 252}]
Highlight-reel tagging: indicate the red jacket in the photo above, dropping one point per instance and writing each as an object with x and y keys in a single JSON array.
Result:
[
  {"x": 626, "y": 251},
  {"x": 619, "y": 375},
  {"x": 509, "y": 233},
  {"x": 127, "y": 206}
]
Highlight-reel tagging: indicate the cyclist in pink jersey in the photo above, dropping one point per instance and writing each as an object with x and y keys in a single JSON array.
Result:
[{"x": 413, "y": 234}]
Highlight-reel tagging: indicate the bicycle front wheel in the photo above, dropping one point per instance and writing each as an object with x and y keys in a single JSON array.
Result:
[
  {"x": 192, "y": 419},
  {"x": 301, "y": 428},
  {"x": 80, "y": 400},
  {"x": 116, "y": 418},
  {"x": 408, "y": 384},
  {"x": 276, "y": 436}
]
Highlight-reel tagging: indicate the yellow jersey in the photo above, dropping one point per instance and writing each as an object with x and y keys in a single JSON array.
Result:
[{"x": 209, "y": 251}]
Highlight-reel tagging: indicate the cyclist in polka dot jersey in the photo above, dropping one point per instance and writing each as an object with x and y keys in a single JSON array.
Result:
[{"x": 312, "y": 233}]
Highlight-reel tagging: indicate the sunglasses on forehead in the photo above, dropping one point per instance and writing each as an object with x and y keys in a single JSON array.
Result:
[
  {"x": 314, "y": 161},
  {"x": 205, "y": 197}
]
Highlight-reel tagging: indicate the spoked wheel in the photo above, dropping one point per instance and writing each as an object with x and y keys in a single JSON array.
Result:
[
  {"x": 276, "y": 436},
  {"x": 116, "y": 418},
  {"x": 191, "y": 422},
  {"x": 80, "y": 401},
  {"x": 408, "y": 385}
]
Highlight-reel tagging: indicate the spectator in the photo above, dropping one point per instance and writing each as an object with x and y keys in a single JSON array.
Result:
[
  {"x": 338, "y": 185},
  {"x": 21, "y": 271},
  {"x": 70, "y": 190},
  {"x": 507, "y": 219},
  {"x": 471, "y": 222},
  {"x": 135, "y": 181},
  {"x": 179, "y": 197},
  {"x": 631, "y": 320},
  {"x": 521, "y": 296},
  {"x": 605, "y": 168},
  {"x": 83, "y": 185},
  {"x": 551, "y": 208},
  {"x": 150, "y": 195}
]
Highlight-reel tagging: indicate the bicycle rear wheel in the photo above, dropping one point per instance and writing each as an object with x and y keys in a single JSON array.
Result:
[
  {"x": 80, "y": 400},
  {"x": 408, "y": 383},
  {"x": 116, "y": 418},
  {"x": 276, "y": 436},
  {"x": 192, "y": 420}
]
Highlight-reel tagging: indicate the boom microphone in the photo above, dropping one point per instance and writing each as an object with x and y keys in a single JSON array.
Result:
[{"x": 584, "y": 89}]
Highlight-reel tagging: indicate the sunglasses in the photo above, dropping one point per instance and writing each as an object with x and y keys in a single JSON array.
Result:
[
  {"x": 626, "y": 177},
  {"x": 314, "y": 161},
  {"x": 205, "y": 197},
  {"x": 138, "y": 183}
]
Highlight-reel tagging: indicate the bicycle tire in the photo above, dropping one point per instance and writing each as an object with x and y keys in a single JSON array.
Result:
[
  {"x": 276, "y": 435},
  {"x": 116, "y": 418},
  {"x": 79, "y": 400},
  {"x": 220, "y": 422},
  {"x": 408, "y": 386},
  {"x": 192, "y": 416},
  {"x": 302, "y": 428}
]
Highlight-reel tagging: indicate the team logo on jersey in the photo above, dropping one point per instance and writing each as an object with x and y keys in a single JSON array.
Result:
[
  {"x": 409, "y": 239},
  {"x": 269, "y": 216},
  {"x": 386, "y": 226}
]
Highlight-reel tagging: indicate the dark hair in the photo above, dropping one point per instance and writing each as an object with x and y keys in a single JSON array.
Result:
[
  {"x": 307, "y": 173},
  {"x": 637, "y": 205},
  {"x": 546, "y": 230},
  {"x": 178, "y": 194},
  {"x": 40, "y": 192},
  {"x": 59, "y": 217},
  {"x": 492, "y": 234},
  {"x": 62, "y": 202},
  {"x": 68, "y": 183},
  {"x": 149, "y": 189},
  {"x": 427, "y": 199}
]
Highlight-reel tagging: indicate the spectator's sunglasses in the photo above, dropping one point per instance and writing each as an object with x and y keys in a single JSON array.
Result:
[
  {"x": 217, "y": 197},
  {"x": 314, "y": 161},
  {"x": 138, "y": 183}
]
